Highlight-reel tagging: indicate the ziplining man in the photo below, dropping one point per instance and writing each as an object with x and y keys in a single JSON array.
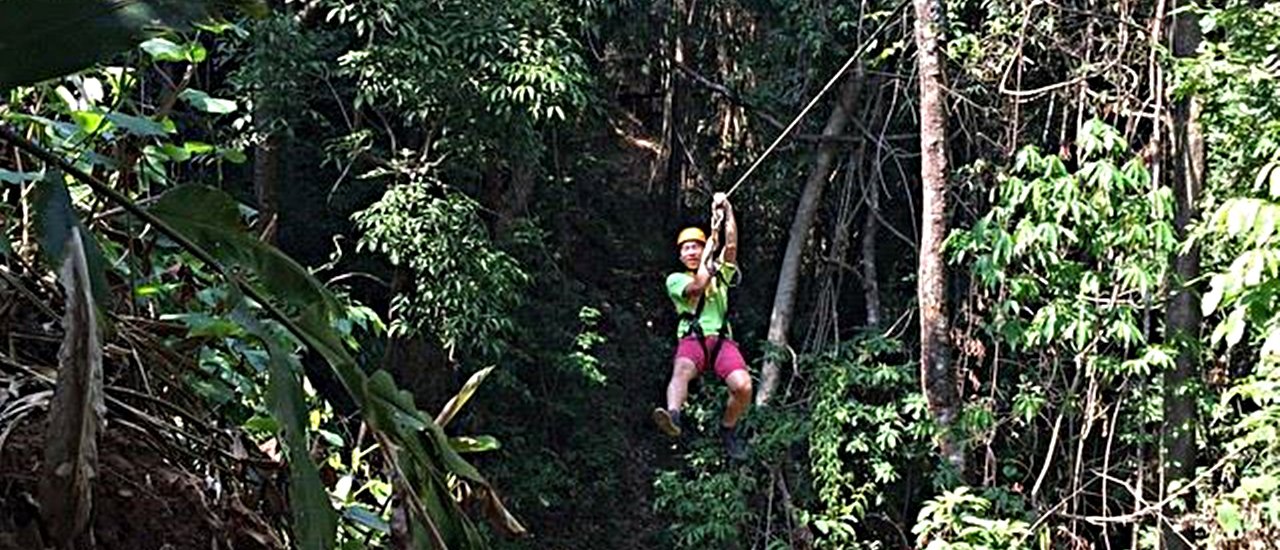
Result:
[{"x": 701, "y": 299}]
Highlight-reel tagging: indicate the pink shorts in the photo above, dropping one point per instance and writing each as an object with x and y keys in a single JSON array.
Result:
[{"x": 729, "y": 359}]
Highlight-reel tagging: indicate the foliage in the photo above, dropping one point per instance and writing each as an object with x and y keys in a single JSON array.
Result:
[
  {"x": 37, "y": 46},
  {"x": 464, "y": 289},
  {"x": 709, "y": 508},
  {"x": 956, "y": 520},
  {"x": 1069, "y": 268},
  {"x": 1236, "y": 76},
  {"x": 869, "y": 425}
]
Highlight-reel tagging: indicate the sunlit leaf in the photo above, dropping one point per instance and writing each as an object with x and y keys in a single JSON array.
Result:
[
  {"x": 163, "y": 49},
  {"x": 476, "y": 444},
  {"x": 204, "y": 102},
  {"x": 456, "y": 403}
]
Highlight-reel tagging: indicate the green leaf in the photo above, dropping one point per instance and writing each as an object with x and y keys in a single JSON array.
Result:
[
  {"x": 56, "y": 218},
  {"x": 139, "y": 126},
  {"x": 1228, "y": 515},
  {"x": 163, "y": 49},
  {"x": 234, "y": 156},
  {"x": 1235, "y": 326},
  {"x": 477, "y": 444},
  {"x": 88, "y": 121},
  {"x": 204, "y": 102},
  {"x": 42, "y": 39},
  {"x": 211, "y": 218},
  {"x": 9, "y": 176},
  {"x": 315, "y": 523},
  {"x": 198, "y": 147},
  {"x": 455, "y": 404},
  {"x": 1209, "y": 303}
]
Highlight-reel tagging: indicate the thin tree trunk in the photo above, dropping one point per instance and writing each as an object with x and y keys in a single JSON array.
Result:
[
  {"x": 871, "y": 223},
  {"x": 784, "y": 299},
  {"x": 1187, "y": 178},
  {"x": 936, "y": 376},
  {"x": 266, "y": 170},
  {"x": 870, "y": 282},
  {"x": 417, "y": 362},
  {"x": 670, "y": 158}
]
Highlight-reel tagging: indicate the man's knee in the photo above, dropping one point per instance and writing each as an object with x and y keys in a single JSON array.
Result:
[
  {"x": 684, "y": 369},
  {"x": 740, "y": 384}
]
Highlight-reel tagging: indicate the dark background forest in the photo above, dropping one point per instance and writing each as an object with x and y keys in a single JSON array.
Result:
[{"x": 389, "y": 274}]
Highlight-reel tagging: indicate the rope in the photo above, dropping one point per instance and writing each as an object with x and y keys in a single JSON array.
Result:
[{"x": 778, "y": 140}]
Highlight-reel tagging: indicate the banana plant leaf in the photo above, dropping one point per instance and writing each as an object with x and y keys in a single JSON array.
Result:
[{"x": 417, "y": 445}]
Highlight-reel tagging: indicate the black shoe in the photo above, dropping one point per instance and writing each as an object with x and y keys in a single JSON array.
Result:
[
  {"x": 667, "y": 421},
  {"x": 734, "y": 446}
]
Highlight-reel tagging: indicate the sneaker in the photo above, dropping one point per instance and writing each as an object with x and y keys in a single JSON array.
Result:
[
  {"x": 734, "y": 446},
  {"x": 667, "y": 421}
]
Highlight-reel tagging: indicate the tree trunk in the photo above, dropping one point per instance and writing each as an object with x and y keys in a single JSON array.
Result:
[
  {"x": 936, "y": 376},
  {"x": 417, "y": 362},
  {"x": 266, "y": 171},
  {"x": 1183, "y": 324},
  {"x": 670, "y": 158},
  {"x": 870, "y": 284},
  {"x": 266, "y": 162},
  {"x": 784, "y": 299}
]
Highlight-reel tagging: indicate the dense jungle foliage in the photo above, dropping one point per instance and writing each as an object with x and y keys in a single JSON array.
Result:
[{"x": 389, "y": 274}]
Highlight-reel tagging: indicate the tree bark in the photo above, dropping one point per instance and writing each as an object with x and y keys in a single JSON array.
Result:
[
  {"x": 870, "y": 275},
  {"x": 670, "y": 158},
  {"x": 1183, "y": 323},
  {"x": 784, "y": 299},
  {"x": 266, "y": 170},
  {"x": 936, "y": 376},
  {"x": 417, "y": 362}
]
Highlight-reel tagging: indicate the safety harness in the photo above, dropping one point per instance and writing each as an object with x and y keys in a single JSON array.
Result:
[{"x": 695, "y": 318}]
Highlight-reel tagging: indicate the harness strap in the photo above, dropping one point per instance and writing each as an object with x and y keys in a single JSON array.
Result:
[{"x": 695, "y": 327}]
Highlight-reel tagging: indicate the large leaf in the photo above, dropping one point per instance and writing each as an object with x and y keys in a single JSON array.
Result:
[
  {"x": 211, "y": 218},
  {"x": 56, "y": 220},
  {"x": 417, "y": 446},
  {"x": 458, "y": 401},
  {"x": 42, "y": 39},
  {"x": 76, "y": 410},
  {"x": 315, "y": 523}
]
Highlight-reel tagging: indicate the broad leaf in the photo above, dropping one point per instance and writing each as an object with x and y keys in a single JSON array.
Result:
[
  {"x": 204, "y": 102},
  {"x": 138, "y": 126},
  {"x": 163, "y": 49},
  {"x": 456, "y": 403},
  {"x": 315, "y": 523},
  {"x": 56, "y": 219},
  {"x": 8, "y": 176},
  {"x": 211, "y": 218},
  {"x": 42, "y": 39},
  {"x": 477, "y": 444}
]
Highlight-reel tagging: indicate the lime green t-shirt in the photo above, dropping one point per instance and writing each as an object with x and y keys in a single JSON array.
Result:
[{"x": 717, "y": 300}]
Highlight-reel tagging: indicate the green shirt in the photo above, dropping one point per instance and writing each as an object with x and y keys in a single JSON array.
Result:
[{"x": 717, "y": 300}]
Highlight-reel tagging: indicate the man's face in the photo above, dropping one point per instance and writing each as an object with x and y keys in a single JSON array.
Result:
[{"x": 691, "y": 254}]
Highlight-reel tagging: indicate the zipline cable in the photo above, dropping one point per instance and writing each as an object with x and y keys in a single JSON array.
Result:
[{"x": 778, "y": 140}]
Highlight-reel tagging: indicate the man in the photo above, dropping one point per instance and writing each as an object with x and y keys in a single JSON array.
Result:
[{"x": 701, "y": 298}]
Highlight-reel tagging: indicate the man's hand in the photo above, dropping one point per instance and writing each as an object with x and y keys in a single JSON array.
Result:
[{"x": 720, "y": 201}]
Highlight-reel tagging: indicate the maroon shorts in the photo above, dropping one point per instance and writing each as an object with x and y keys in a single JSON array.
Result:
[{"x": 728, "y": 359}]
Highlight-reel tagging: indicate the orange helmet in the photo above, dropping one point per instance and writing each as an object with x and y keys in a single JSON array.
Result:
[{"x": 691, "y": 234}]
